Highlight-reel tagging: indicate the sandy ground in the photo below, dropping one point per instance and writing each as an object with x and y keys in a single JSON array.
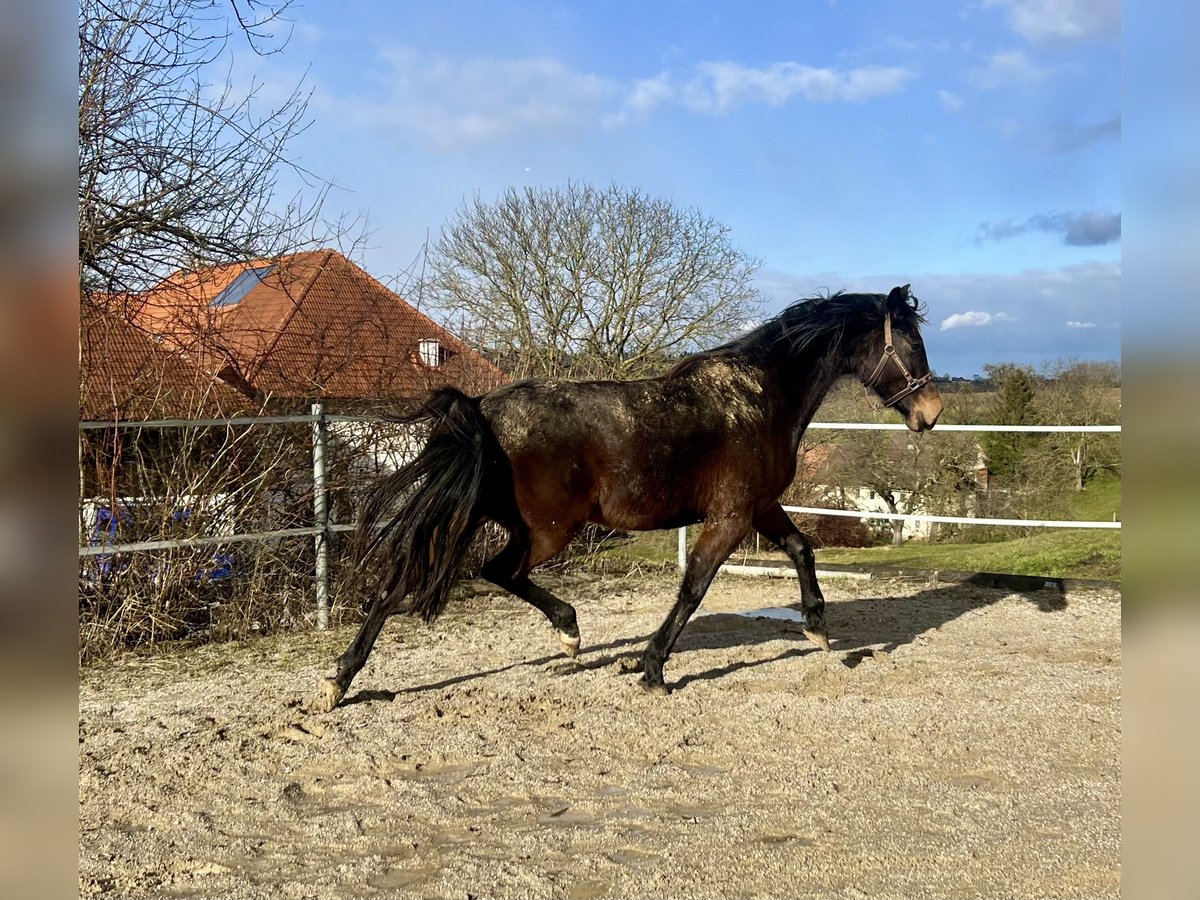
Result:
[{"x": 957, "y": 742}]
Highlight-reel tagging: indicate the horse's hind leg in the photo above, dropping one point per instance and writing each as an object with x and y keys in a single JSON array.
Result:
[
  {"x": 331, "y": 690},
  {"x": 775, "y": 525},
  {"x": 716, "y": 542},
  {"x": 509, "y": 569}
]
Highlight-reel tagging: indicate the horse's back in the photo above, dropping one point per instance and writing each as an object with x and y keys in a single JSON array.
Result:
[
  {"x": 577, "y": 434},
  {"x": 635, "y": 455}
]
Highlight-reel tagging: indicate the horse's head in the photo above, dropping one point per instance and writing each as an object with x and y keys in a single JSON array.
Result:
[{"x": 893, "y": 363}]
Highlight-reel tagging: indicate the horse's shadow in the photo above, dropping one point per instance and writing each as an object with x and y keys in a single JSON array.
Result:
[
  {"x": 367, "y": 696},
  {"x": 857, "y": 629}
]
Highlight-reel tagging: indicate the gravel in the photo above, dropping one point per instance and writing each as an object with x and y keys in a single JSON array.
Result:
[{"x": 958, "y": 741}]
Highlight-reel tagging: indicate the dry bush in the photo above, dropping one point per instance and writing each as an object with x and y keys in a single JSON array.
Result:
[{"x": 154, "y": 484}]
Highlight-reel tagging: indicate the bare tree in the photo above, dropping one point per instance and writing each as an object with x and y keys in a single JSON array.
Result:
[
  {"x": 588, "y": 282},
  {"x": 933, "y": 473},
  {"x": 177, "y": 167},
  {"x": 1082, "y": 393}
]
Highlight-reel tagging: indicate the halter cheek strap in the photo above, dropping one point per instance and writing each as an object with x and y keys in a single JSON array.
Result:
[{"x": 889, "y": 352}]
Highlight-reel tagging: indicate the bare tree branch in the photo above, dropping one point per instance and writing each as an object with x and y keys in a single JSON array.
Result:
[
  {"x": 588, "y": 282},
  {"x": 177, "y": 167}
]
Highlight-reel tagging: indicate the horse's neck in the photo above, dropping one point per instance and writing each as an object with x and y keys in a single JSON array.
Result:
[{"x": 803, "y": 385}]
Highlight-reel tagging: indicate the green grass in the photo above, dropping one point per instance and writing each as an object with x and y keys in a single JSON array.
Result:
[
  {"x": 1055, "y": 553},
  {"x": 655, "y": 548},
  {"x": 1100, "y": 501},
  {"x": 1062, "y": 553}
]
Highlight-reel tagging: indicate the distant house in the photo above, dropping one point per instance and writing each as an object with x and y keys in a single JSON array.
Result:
[
  {"x": 309, "y": 326},
  {"x": 843, "y": 530},
  {"x": 126, "y": 374},
  {"x": 264, "y": 336}
]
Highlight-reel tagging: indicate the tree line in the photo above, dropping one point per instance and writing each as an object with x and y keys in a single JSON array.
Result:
[{"x": 986, "y": 474}]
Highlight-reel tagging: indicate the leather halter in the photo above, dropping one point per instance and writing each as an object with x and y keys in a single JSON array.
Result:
[{"x": 889, "y": 352}]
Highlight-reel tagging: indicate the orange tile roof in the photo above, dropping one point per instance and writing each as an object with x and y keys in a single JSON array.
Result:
[
  {"x": 126, "y": 375},
  {"x": 314, "y": 326}
]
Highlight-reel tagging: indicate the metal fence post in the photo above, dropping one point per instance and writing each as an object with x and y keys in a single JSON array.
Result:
[
  {"x": 683, "y": 549},
  {"x": 320, "y": 516}
]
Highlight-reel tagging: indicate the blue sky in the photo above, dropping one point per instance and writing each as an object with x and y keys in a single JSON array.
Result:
[{"x": 971, "y": 149}]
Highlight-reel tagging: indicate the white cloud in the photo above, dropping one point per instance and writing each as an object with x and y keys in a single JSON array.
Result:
[
  {"x": 951, "y": 101},
  {"x": 1043, "y": 20},
  {"x": 451, "y": 104},
  {"x": 718, "y": 87},
  {"x": 644, "y": 97},
  {"x": 1008, "y": 69},
  {"x": 974, "y": 319},
  {"x": 650, "y": 93},
  {"x": 308, "y": 32},
  {"x": 1074, "y": 324}
]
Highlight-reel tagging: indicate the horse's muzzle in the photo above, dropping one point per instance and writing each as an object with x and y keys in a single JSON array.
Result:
[{"x": 924, "y": 411}]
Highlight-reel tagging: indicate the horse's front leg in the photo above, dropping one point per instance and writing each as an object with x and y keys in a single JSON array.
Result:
[
  {"x": 777, "y": 526},
  {"x": 716, "y": 542}
]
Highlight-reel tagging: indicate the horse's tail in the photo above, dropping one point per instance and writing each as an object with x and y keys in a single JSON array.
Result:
[{"x": 427, "y": 512}]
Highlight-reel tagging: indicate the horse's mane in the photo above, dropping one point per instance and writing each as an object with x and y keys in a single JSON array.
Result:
[{"x": 822, "y": 321}]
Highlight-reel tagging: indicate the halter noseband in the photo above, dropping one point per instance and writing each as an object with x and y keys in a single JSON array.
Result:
[{"x": 889, "y": 352}]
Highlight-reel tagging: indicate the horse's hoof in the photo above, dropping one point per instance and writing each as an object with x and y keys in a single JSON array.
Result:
[
  {"x": 657, "y": 689},
  {"x": 818, "y": 637},
  {"x": 329, "y": 695},
  {"x": 569, "y": 642}
]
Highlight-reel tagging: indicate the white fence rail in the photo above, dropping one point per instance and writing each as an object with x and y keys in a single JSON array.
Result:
[
  {"x": 921, "y": 517},
  {"x": 955, "y": 520},
  {"x": 960, "y": 520},
  {"x": 323, "y": 528}
]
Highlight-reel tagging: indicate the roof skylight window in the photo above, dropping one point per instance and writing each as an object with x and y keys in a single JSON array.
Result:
[{"x": 241, "y": 286}]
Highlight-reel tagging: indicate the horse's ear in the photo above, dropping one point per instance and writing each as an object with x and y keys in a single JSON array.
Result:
[{"x": 897, "y": 301}]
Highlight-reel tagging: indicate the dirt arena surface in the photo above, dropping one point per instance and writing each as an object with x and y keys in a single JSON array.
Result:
[{"x": 958, "y": 741}]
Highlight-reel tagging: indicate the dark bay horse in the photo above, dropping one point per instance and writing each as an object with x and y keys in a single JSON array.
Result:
[{"x": 712, "y": 441}]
